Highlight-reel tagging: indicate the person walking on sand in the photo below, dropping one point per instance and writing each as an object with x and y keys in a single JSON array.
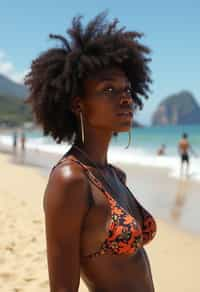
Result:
[
  {"x": 15, "y": 140},
  {"x": 83, "y": 92}
]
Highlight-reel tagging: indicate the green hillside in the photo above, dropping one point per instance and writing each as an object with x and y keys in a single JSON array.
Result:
[{"x": 13, "y": 111}]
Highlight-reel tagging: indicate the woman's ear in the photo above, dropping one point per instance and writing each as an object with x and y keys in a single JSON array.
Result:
[{"x": 76, "y": 105}]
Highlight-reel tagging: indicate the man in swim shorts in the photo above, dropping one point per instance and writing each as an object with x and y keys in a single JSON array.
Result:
[{"x": 183, "y": 148}]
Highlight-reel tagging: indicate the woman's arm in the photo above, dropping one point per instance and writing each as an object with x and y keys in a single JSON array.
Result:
[{"x": 66, "y": 204}]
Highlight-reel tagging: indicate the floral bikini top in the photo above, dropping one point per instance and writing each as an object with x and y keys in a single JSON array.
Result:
[{"x": 125, "y": 235}]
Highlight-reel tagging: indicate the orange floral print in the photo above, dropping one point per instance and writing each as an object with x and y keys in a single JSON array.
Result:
[{"x": 125, "y": 234}]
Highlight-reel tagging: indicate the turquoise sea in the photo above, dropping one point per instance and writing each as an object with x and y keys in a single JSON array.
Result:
[{"x": 148, "y": 139}]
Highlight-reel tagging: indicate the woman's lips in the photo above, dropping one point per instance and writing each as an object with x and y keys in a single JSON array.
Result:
[{"x": 127, "y": 114}]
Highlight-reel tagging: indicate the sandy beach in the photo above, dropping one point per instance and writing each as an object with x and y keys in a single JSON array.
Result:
[{"x": 174, "y": 254}]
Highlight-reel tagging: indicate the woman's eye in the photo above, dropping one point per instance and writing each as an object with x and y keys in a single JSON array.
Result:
[{"x": 108, "y": 90}]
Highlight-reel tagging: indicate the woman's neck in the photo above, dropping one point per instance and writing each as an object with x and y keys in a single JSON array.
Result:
[{"x": 95, "y": 146}]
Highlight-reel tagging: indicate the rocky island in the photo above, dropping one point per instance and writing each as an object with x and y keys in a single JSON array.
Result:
[{"x": 177, "y": 109}]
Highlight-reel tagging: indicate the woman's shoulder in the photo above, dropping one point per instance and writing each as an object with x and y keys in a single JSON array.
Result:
[
  {"x": 67, "y": 183},
  {"x": 68, "y": 169}
]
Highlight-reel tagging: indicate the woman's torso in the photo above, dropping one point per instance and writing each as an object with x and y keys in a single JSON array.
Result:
[{"x": 110, "y": 272}]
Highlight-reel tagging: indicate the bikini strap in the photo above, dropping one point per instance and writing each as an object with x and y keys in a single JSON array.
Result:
[{"x": 90, "y": 175}]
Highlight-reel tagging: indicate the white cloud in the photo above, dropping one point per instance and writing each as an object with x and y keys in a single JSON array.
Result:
[{"x": 7, "y": 68}]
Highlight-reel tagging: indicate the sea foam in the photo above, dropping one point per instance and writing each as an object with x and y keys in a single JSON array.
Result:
[{"x": 116, "y": 154}]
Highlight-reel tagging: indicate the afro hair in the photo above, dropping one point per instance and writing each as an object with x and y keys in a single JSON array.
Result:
[{"x": 57, "y": 75}]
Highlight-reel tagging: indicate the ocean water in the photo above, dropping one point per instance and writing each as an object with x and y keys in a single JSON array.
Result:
[{"x": 142, "y": 151}]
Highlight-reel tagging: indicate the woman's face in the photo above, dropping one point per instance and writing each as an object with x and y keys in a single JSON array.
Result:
[{"x": 107, "y": 101}]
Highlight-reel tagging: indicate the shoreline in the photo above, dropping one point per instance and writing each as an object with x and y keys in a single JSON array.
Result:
[
  {"x": 175, "y": 201},
  {"x": 23, "y": 258},
  {"x": 144, "y": 155},
  {"x": 171, "y": 200}
]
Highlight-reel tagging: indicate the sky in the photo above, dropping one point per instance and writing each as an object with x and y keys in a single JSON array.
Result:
[{"x": 171, "y": 29}]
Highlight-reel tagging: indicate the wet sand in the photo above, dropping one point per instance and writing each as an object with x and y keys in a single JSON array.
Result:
[
  {"x": 175, "y": 201},
  {"x": 174, "y": 254}
]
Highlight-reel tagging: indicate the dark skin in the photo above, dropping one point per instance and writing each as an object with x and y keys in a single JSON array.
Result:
[{"x": 75, "y": 227}]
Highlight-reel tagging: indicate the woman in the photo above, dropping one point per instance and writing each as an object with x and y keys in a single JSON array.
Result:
[{"x": 84, "y": 92}]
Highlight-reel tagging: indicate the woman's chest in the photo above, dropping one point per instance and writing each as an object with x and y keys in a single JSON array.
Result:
[
  {"x": 120, "y": 195},
  {"x": 100, "y": 216}
]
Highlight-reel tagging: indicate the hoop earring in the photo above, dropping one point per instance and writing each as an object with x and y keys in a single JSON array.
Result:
[
  {"x": 82, "y": 128},
  {"x": 129, "y": 139}
]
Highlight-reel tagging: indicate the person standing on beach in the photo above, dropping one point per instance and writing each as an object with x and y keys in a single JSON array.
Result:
[
  {"x": 14, "y": 138},
  {"x": 83, "y": 92},
  {"x": 22, "y": 146},
  {"x": 183, "y": 148},
  {"x": 23, "y": 141}
]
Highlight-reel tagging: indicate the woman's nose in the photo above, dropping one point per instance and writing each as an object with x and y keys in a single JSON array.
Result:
[{"x": 126, "y": 100}]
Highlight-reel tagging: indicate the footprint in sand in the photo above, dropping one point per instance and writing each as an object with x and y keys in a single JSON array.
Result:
[
  {"x": 33, "y": 239},
  {"x": 36, "y": 221},
  {"x": 10, "y": 247},
  {"x": 23, "y": 203},
  {"x": 29, "y": 279},
  {"x": 44, "y": 284},
  {"x": 6, "y": 276},
  {"x": 41, "y": 252},
  {"x": 28, "y": 254},
  {"x": 17, "y": 289}
]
